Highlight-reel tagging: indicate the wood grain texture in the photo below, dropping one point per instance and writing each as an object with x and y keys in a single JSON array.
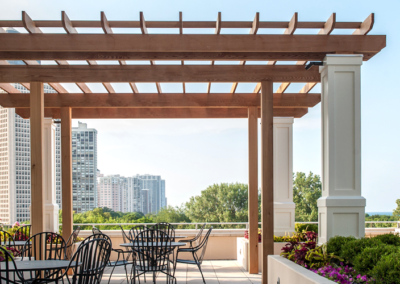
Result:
[
  {"x": 93, "y": 43},
  {"x": 9, "y": 89},
  {"x": 329, "y": 25},
  {"x": 158, "y": 73},
  {"x": 366, "y": 26},
  {"x": 253, "y": 189},
  {"x": 155, "y": 100},
  {"x": 37, "y": 157},
  {"x": 307, "y": 88},
  {"x": 161, "y": 113},
  {"x": 267, "y": 175},
  {"x": 66, "y": 169}
]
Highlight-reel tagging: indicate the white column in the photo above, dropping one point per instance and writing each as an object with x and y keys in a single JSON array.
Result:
[
  {"x": 341, "y": 209},
  {"x": 51, "y": 207},
  {"x": 284, "y": 207}
]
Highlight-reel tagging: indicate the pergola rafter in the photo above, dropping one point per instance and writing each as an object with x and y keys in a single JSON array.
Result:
[{"x": 181, "y": 47}]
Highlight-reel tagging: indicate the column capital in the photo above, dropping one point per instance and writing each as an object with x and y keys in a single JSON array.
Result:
[
  {"x": 342, "y": 60},
  {"x": 283, "y": 120}
]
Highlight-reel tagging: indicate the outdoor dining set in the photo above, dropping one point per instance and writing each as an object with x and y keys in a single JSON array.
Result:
[{"x": 47, "y": 258}]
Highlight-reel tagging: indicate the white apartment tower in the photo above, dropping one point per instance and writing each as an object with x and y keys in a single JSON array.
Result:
[
  {"x": 84, "y": 168},
  {"x": 111, "y": 190}
]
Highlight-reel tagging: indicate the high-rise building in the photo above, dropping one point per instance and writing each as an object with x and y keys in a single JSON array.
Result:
[
  {"x": 110, "y": 191},
  {"x": 132, "y": 195},
  {"x": 84, "y": 168},
  {"x": 144, "y": 195},
  {"x": 156, "y": 195}
]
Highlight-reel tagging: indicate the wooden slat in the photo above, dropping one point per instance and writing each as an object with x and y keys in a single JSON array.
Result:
[
  {"x": 267, "y": 175},
  {"x": 66, "y": 170},
  {"x": 366, "y": 26},
  {"x": 70, "y": 29},
  {"x": 104, "y": 24},
  {"x": 253, "y": 31},
  {"x": 282, "y": 88},
  {"x": 257, "y": 89},
  {"x": 133, "y": 87},
  {"x": 9, "y": 88},
  {"x": 109, "y": 88},
  {"x": 186, "y": 24},
  {"x": 217, "y": 32},
  {"x": 37, "y": 157},
  {"x": 329, "y": 25},
  {"x": 253, "y": 189},
  {"x": 144, "y": 113},
  {"x": 158, "y": 73},
  {"x": 155, "y": 100},
  {"x": 29, "y": 25},
  {"x": 307, "y": 88}
]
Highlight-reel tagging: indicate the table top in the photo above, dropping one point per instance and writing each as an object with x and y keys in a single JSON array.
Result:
[
  {"x": 173, "y": 244},
  {"x": 33, "y": 265},
  {"x": 17, "y": 243}
]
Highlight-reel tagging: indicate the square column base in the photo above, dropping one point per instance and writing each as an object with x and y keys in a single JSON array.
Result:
[
  {"x": 341, "y": 216},
  {"x": 284, "y": 218},
  {"x": 51, "y": 223}
]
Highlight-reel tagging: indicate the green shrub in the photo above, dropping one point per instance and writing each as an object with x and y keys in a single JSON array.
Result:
[
  {"x": 387, "y": 270},
  {"x": 351, "y": 249},
  {"x": 336, "y": 243},
  {"x": 389, "y": 239},
  {"x": 370, "y": 256},
  {"x": 306, "y": 227}
]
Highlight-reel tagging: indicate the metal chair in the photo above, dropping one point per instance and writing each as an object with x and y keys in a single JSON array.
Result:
[
  {"x": 196, "y": 238},
  {"x": 152, "y": 249},
  {"x": 95, "y": 231},
  {"x": 69, "y": 251},
  {"x": 136, "y": 230},
  {"x": 6, "y": 239},
  {"x": 93, "y": 256},
  {"x": 44, "y": 246},
  {"x": 6, "y": 275},
  {"x": 23, "y": 233},
  {"x": 166, "y": 228},
  {"x": 197, "y": 259}
]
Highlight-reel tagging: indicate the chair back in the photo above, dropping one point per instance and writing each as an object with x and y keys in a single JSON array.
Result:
[
  {"x": 70, "y": 243},
  {"x": 96, "y": 236},
  {"x": 203, "y": 246},
  {"x": 152, "y": 249},
  {"x": 22, "y": 233},
  {"x": 96, "y": 231},
  {"x": 125, "y": 237},
  {"x": 6, "y": 239},
  {"x": 44, "y": 246},
  {"x": 166, "y": 228},
  {"x": 199, "y": 237},
  {"x": 6, "y": 263},
  {"x": 136, "y": 230}
]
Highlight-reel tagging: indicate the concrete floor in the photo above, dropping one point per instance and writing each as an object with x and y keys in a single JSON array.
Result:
[{"x": 215, "y": 271}]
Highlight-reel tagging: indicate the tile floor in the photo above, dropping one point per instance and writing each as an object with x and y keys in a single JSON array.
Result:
[{"x": 215, "y": 271}]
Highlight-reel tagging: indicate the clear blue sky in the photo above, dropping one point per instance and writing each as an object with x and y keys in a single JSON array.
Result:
[{"x": 192, "y": 154}]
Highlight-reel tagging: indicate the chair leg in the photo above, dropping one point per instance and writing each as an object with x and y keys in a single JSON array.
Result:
[{"x": 112, "y": 271}]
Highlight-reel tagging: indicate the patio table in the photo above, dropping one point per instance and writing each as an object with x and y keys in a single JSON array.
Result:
[{"x": 37, "y": 265}]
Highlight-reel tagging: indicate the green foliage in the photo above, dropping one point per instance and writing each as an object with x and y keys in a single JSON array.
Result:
[
  {"x": 319, "y": 257},
  {"x": 387, "y": 270},
  {"x": 336, "y": 243},
  {"x": 225, "y": 202},
  {"x": 306, "y": 191},
  {"x": 369, "y": 257},
  {"x": 171, "y": 215},
  {"x": 396, "y": 212},
  {"x": 389, "y": 239},
  {"x": 351, "y": 249},
  {"x": 380, "y": 218},
  {"x": 306, "y": 228}
]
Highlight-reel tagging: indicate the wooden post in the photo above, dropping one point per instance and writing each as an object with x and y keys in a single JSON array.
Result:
[
  {"x": 253, "y": 190},
  {"x": 36, "y": 124},
  {"x": 66, "y": 171},
  {"x": 267, "y": 173}
]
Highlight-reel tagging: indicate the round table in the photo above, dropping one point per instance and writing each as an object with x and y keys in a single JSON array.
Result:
[
  {"x": 35, "y": 265},
  {"x": 173, "y": 244}
]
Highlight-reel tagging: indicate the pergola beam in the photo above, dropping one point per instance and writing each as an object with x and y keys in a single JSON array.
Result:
[
  {"x": 158, "y": 73},
  {"x": 146, "y": 100},
  {"x": 161, "y": 113},
  {"x": 185, "y": 47}
]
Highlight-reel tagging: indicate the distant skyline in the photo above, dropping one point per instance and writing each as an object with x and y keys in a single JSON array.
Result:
[{"x": 193, "y": 154}]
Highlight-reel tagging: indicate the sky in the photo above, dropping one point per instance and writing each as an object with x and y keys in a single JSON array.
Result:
[{"x": 193, "y": 154}]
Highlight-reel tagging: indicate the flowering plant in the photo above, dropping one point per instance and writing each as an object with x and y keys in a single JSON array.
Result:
[
  {"x": 12, "y": 251},
  {"x": 342, "y": 274}
]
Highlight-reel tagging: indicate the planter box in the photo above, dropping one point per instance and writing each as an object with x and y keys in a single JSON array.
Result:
[
  {"x": 282, "y": 270},
  {"x": 243, "y": 253}
]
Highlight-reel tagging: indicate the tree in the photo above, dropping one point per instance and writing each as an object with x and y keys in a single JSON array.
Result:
[
  {"x": 219, "y": 203},
  {"x": 396, "y": 212},
  {"x": 306, "y": 191},
  {"x": 172, "y": 215}
]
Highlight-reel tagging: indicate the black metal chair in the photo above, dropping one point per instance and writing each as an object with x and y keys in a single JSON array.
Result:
[
  {"x": 152, "y": 249},
  {"x": 136, "y": 230},
  {"x": 22, "y": 233},
  {"x": 166, "y": 228},
  {"x": 88, "y": 264},
  {"x": 8, "y": 276},
  {"x": 69, "y": 251},
  {"x": 44, "y": 246},
  {"x": 6, "y": 239},
  {"x": 197, "y": 259},
  {"x": 196, "y": 238},
  {"x": 95, "y": 231}
]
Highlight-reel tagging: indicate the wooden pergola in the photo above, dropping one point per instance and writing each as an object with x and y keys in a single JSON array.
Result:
[{"x": 235, "y": 48}]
